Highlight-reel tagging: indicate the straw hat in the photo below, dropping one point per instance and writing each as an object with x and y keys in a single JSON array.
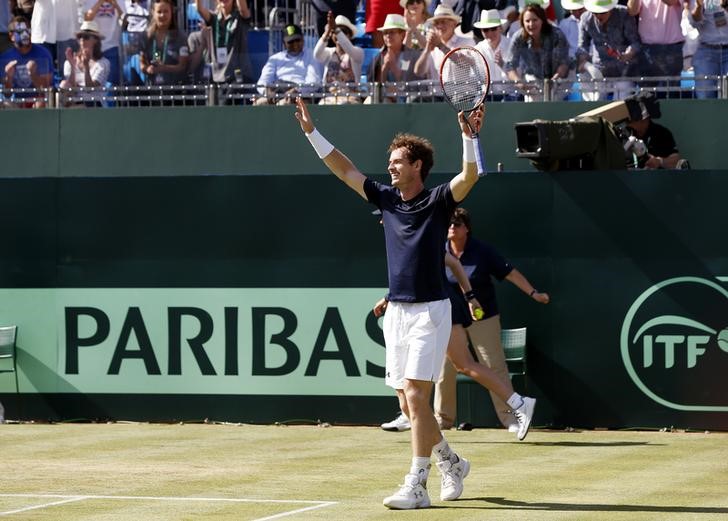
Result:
[
  {"x": 90, "y": 27},
  {"x": 403, "y": 3},
  {"x": 543, "y": 3},
  {"x": 393, "y": 21},
  {"x": 343, "y": 21},
  {"x": 572, "y": 5},
  {"x": 600, "y": 6},
  {"x": 443, "y": 11},
  {"x": 489, "y": 18}
]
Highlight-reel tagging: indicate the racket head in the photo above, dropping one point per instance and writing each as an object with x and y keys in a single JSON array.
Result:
[{"x": 465, "y": 78}]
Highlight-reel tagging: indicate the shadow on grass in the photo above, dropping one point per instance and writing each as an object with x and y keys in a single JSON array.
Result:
[
  {"x": 509, "y": 504},
  {"x": 564, "y": 443}
]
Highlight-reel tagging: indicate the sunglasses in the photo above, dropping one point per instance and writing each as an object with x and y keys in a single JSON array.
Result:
[
  {"x": 456, "y": 224},
  {"x": 86, "y": 36}
]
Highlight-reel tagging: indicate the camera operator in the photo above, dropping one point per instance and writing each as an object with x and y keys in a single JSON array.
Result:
[{"x": 661, "y": 147}]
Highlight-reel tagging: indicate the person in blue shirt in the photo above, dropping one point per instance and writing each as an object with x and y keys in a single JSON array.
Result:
[
  {"x": 26, "y": 66},
  {"x": 483, "y": 263},
  {"x": 290, "y": 73},
  {"x": 466, "y": 311}
]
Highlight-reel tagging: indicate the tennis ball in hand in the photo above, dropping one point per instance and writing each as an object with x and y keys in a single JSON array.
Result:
[{"x": 478, "y": 314}]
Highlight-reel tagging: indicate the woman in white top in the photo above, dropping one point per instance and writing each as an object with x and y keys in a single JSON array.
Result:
[
  {"x": 342, "y": 62},
  {"x": 494, "y": 47},
  {"x": 86, "y": 68}
]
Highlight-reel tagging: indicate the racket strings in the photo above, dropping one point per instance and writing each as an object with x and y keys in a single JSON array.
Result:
[{"x": 465, "y": 79}]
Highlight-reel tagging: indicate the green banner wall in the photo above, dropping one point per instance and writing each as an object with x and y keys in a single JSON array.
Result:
[
  {"x": 268, "y": 140},
  {"x": 247, "y": 297}
]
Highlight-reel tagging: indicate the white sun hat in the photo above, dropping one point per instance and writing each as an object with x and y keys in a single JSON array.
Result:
[
  {"x": 572, "y": 5},
  {"x": 600, "y": 6},
  {"x": 393, "y": 21},
  {"x": 543, "y": 3},
  {"x": 403, "y": 3},
  {"x": 90, "y": 27},
  {"x": 446, "y": 12},
  {"x": 343, "y": 21},
  {"x": 489, "y": 18}
]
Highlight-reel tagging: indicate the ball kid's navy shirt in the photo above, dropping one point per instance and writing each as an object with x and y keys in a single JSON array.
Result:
[{"x": 480, "y": 261}]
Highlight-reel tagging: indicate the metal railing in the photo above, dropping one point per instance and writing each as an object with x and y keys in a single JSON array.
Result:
[
  {"x": 27, "y": 98},
  {"x": 348, "y": 93}
]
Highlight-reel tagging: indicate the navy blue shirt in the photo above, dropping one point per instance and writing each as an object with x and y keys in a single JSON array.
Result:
[
  {"x": 481, "y": 261},
  {"x": 414, "y": 231}
]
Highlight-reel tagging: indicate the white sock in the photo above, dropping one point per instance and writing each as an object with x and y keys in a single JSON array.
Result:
[
  {"x": 442, "y": 450},
  {"x": 421, "y": 468},
  {"x": 515, "y": 401}
]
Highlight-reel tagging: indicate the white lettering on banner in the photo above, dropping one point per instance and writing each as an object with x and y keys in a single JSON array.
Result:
[
  {"x": 272, "y": 341},
  {"x": 674, "y": 343},
  {"x": 133, "y": 325}
]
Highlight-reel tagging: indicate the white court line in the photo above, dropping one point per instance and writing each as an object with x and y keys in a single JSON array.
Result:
[
  {"x": 69, "y": 498},
  {"x": 45, "y": 505},
  {"x": 292, "y": 512}
]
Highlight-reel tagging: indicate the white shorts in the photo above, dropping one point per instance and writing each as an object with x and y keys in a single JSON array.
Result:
[{"x": 416, "y": 336}]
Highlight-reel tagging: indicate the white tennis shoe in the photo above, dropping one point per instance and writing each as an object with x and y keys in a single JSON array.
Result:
[
  {"x": 411, "y": 495},
  {"x": 453, "y": 475},
  {"x": 399, "y": 424},
  {"x": 524, "y": 415}
]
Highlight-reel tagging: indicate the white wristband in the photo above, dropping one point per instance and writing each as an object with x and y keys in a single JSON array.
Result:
[
  {"x": 319, "y": 143},
  {"x": 468, "y": 150}
]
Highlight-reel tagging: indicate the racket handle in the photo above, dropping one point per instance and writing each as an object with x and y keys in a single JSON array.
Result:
[{"x": 479, "y": 160}]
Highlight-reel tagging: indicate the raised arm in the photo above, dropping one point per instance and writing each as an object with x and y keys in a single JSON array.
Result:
[
  {"x": 320, "y": 51},
  {"x": 204, "y": 11},
  {"x": 461, "y": 184},
  {"x": 91, "y": 13},
  {"x": 243, "y": 8},
  {"x": 338, "y": 163},
  {"x": 697, "y": 13},
  {"x": 633, "y": 7},
  {"x": 355, "y": 53}
]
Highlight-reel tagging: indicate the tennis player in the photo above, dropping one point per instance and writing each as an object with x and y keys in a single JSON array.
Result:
[{"x": 417, "y": 322}]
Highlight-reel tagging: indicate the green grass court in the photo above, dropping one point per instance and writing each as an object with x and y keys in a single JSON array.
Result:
[{"x": 249, "y": 472}]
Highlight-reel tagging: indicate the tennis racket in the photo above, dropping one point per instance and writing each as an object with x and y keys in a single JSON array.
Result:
[{"x": 465, "y": 80}]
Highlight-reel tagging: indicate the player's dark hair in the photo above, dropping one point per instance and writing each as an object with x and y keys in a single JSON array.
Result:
[
  {"x": 462, "y": 216},
  {"x": 417, "y": 148}
]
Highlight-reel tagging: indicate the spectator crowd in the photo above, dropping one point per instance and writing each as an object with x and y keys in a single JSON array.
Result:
[{"x": 79, "y": 44}]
